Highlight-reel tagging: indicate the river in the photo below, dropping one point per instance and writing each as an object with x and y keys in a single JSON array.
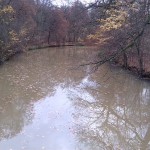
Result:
[{"x": 47, "y": 102}]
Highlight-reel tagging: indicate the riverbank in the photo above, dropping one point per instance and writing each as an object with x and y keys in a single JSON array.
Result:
[
  {"x": 32, "y": 47},
  {"x": 9, "y": 54},
  {"x": 132, "y": 61},
  {"x": 7, "y": 57},
  {"x": 133, "y": 66}
]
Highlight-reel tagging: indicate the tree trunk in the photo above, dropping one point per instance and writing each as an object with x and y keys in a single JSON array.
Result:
[
  {"x": 49, "y": 35},
  {"x": 125, "y": 59},
  {"x": 140, "y": 58}
]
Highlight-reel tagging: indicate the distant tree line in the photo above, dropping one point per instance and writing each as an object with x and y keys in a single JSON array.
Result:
[{"x": 37, "y": 22}]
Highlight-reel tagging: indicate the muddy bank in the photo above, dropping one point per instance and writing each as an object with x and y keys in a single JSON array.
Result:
[
  {"x": 134, "y": 68},
  {"x": 54, "y": 45},
  {"x": 8, "y": 56}
]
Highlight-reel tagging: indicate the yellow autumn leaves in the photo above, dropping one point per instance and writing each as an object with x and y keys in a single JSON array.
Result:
[
  {"x": 6, "y": 9},
  {"x": 14, "y": 38},
  {"x": 115, "y": 20},
  {"x": 6, "y": 14}
]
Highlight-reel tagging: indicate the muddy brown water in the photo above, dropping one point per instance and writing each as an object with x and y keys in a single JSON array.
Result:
[{"x": 45, "y": 104}]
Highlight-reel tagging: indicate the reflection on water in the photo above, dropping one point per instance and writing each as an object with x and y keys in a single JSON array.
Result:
[
  {"x": 118, "y": 117},
  {"x": 45, "y": 105}
]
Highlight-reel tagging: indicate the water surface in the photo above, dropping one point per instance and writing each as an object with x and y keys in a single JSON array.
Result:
[{"x": 46, "y": 104}]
